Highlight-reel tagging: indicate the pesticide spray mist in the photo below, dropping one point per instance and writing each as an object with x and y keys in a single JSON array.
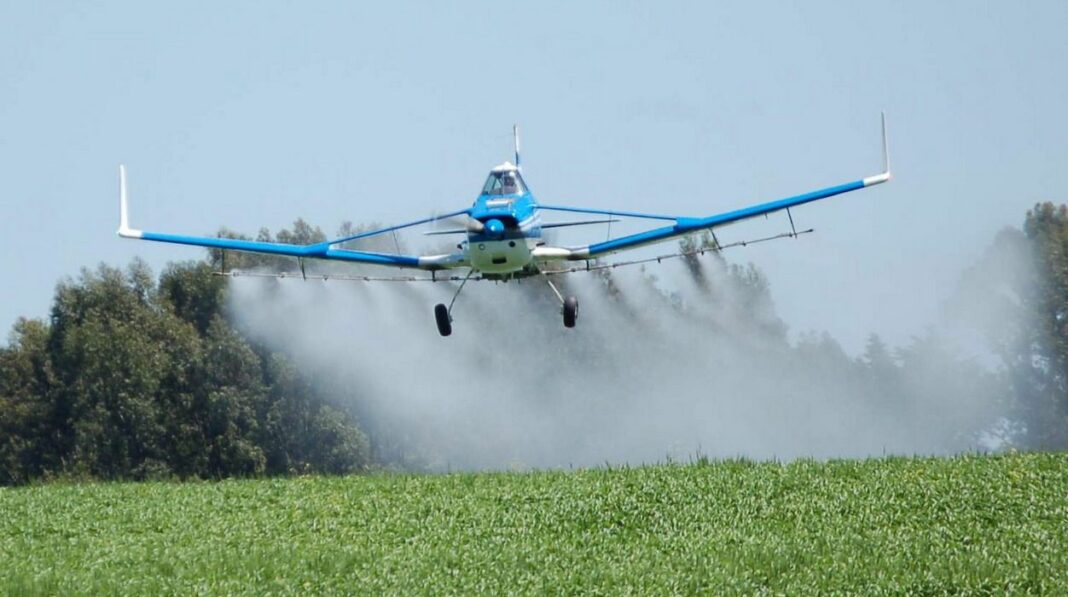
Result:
[{"x": 683, "y": 360}]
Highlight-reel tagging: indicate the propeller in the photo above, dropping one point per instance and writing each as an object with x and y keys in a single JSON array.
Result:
[
  {"x": 493, "y": 227},
  {"x": 469, "y": 225}
]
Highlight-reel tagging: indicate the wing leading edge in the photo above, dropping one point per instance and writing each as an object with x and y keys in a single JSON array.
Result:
[
  {"x": 323, "y": 250},
  {"x": 683, "y": 225}
]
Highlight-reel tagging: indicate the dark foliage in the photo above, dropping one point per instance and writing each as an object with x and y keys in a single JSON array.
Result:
[
  {"x": 134, "y": 380},
  {"x": 1040, "y": 356}
]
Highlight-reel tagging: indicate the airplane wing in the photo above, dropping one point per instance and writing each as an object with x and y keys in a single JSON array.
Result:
[
  {"x": 324, "y": 250},
  {"x": 682, "y": 226}
]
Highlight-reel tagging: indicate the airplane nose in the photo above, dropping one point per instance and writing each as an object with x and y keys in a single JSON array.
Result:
[{"x": 495, "y": 228}]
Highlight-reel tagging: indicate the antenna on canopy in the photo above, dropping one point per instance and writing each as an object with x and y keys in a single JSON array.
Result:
[{"x": 515, "y": 133}]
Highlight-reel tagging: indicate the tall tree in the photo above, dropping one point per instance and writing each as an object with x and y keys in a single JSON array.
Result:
[
  {"x": 26, "y": 410},
  {"x": 134, "y": 379},
  {"x": 1046, "y": 388}
]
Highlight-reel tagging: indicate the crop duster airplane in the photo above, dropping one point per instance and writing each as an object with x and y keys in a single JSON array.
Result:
[{"x": 503, "y": 232}]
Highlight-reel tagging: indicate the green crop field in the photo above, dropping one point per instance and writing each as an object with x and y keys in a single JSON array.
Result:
[{"x": 961, "y": 525}]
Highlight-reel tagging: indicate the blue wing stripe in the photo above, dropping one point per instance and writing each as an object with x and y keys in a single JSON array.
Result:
[
  {"x": 230, "y": 243},
  {"x": 687, "y": 225},
  {"x": 321, "y": 251},
  {"x": 376, "y": 258}
]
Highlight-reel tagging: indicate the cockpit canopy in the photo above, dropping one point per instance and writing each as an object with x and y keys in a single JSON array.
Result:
[{"x": 504, "y": 182}]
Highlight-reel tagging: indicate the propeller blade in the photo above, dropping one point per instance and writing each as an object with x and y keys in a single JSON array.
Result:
[{"x": 470, "y": 226}]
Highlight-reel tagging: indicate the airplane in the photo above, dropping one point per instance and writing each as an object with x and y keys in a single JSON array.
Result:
[{"x": 503, "y": 230}]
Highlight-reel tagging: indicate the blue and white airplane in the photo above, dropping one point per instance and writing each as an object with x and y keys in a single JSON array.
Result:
[{"x": 504, "y": 233}]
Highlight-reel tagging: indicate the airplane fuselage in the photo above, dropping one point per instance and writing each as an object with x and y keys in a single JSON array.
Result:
[{"x": 508, "y": 226}]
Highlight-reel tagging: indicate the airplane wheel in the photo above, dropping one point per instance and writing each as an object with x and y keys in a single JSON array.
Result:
[
  {"x": 570, "y": 311},
  {"x": 441, "y": 315}
]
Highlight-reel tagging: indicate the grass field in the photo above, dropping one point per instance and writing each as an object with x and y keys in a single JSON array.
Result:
[{"x": 962, "y": 525}]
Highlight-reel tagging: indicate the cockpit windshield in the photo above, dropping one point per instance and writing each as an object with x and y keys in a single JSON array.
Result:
[{"x": 504, "y": 183}]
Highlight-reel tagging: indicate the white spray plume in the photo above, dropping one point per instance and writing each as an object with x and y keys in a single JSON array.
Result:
[{"x": 647, "y": 375}]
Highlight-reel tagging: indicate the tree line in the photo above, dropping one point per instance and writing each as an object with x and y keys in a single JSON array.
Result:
[{"x": 133, "y": 377}]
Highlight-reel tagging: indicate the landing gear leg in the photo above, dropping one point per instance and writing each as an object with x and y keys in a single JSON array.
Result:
[
  {"x": 443, "y": 314},
  {"x": 570, "y": 304}
]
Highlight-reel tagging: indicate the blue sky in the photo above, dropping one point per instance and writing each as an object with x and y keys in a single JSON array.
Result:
[{"x": 253, "y": 114}]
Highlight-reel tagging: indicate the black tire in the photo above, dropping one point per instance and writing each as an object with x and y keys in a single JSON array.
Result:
[
  {"x": 441, "y": 315},
  {"x": 570, "y": 311}
]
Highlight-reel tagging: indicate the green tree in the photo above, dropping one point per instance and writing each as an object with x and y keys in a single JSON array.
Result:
[
  {"x": 26, "y": 411},
  {"x": 135, "y": 379},
  {"x": 116, "y": 355},
  {"x": 1042, "y": 358}
]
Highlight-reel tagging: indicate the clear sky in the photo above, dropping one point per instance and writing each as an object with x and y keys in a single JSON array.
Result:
[{"x": 251, "y": 114}]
